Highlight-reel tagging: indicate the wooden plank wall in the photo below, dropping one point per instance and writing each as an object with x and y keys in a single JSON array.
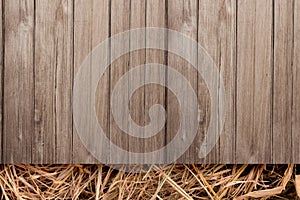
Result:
[{"x": 254, "y": 43}]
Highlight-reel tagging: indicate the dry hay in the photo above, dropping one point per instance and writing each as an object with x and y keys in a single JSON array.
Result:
[{"x": 169, "y": 182}]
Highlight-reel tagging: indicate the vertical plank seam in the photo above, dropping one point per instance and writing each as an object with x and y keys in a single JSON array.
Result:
[
  {"x": 55, "y": 99},
  {"x": 144, "y": 72},
  {"x": 72, "y": 74},
  {"x": 33, "y": 74},
  {"x": 2, "y": 81},
  {"x": 109, "y": 75},
  {"x": 128, "y": 67},
  {"x": 236, "y": 88},
  {"x": 292, "y": 74},
  {"x": 253, "y": 40},
  {"x": 145, "y": 62},
  {"x": 272, "y": 79},
  {"x": 197, "y": 77},
  {"x": 219, "y": 42},
  {"x": 166, "y": 73},
  {"x": 91, "y": 58}
]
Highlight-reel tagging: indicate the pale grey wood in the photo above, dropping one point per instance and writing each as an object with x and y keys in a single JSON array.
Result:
[
  {"x": 283, "y": 81},
  {"x": 1, "y": 78},
  {"x": 91, "y": 26},
  {"x": 155, "y": 94},
  {"x": 182, "y": 17},
  {"x": 217, "y": 35},
  {"x": 136, "y": 58},
  {"x": 257, "y": 57},
  {"x": 120, "y": 22},
  {"x": 53, "y": 82},
  {"x": 18, "y": 113},
  {"x": 254, "y": 81},
  {"x": 296, "y": 85}
]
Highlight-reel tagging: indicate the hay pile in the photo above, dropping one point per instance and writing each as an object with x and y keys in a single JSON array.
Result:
[{"x": 169, "y": 182}]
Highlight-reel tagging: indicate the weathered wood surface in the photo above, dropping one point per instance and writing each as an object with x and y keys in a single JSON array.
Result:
[
  {"x": 254, "y": 81},
  {"x": 18, "y": 74},
  {"x": 255, "y": 45}
]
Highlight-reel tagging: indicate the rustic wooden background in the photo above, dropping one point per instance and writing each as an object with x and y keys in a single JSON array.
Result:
[{"x": 255, "y": 44}]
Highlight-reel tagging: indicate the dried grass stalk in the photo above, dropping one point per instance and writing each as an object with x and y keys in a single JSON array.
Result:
[{"x": 168, "y": 182}]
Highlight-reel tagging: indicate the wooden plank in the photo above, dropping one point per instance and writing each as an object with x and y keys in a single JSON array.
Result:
[
  {"x": 283, "y": 78},
  {"x": 18, "y": 78},
  {"x": 53, "y": 82},
  {"x": 227, "y": 64},
  {"x": 120, "y": 22},
  {"x": 182, "y": 17},
  {"x": 136, "y": 58},
  {"x": 217, "y": 35},
  {"x": 155, "y": 94},
  {"x": 1, "y": 79},
  {"x": 296, "y": 85},
  {"x": 91, "y": 26},
  {"x": 254, "y": 81}
]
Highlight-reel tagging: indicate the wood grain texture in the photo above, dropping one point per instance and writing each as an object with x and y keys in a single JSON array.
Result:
[
  {"x": 217, "y": 35},
  {"x": 120, "y": 22},
  {"x": 296, "y": 85},
  {"x": 91, "y": 26},
  {"x": 18, "y": 113},
  {"x": 53, "y": 82},
  {"x": 1, "y": 78},
  {"x": 283, "y": 81},
  {"x": 255, "y": 44},
  {"x": 136, "y": 58},
  {"x": 227, "y": 67},
  {"x": 182, "y": 17},
  {"x": 155, "y": 94},
  {"x": 254, "y": 81}
]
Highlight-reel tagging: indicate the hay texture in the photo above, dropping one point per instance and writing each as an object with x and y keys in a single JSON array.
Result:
[{"x": 169, "y": 182}]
